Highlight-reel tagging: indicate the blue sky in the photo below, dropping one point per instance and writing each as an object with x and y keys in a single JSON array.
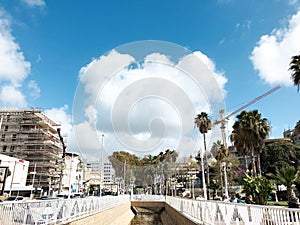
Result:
[{"x": 44, "y": 46}]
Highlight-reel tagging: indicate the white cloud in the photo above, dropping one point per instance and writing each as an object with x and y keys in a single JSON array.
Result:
[
  {"x": 35, "y": 89},
  {"x": 145, "y": 107},
  {"x": 293, "y": 2},
  {"x": 13, "y": 66},
  {"x": 272, "y": 55},
  {"x": 60, "y": 116},
  {"x": 33, "y": 3},
  {"x": 11, "y": 97}
]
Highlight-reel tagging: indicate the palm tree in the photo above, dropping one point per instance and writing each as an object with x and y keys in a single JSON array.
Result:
[
  {"x": 220, "y": 152},
  {"x": 237, "y": 138},
  {"x": 295, "y": 68},
  {"x": 203, "y": 122},
  {"x": 250, "y": 132},
  {"x": 287, "y": 176}
]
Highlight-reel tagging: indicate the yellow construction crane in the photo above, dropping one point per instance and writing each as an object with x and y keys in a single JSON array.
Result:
[{"x": 224, "y": 118}]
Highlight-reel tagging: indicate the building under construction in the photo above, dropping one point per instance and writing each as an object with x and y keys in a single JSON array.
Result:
[{"x": 30, "y": 135}]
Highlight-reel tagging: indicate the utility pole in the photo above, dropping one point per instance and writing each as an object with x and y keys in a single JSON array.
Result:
[
  {"x": 101, "y": 165},
  {"x": 62, "y": 164}
]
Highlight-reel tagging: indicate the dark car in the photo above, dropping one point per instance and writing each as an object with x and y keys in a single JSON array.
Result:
[
  {"x": 14, "y": 198},
  {"x": 47, "y": 198}
]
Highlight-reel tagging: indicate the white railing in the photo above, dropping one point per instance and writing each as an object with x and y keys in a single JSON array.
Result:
[
  {"x": 63, "y": 211},
  {"x": 217, "y": 213},
  {"x": 58, "y": 211},
  {"x": 144, "y": 197}
]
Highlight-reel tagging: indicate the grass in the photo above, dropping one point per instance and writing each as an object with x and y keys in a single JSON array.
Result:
[{"x": 281, "y": 203}]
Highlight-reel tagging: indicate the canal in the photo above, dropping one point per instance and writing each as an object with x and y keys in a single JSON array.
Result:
[{"x": 146, "y": 217}]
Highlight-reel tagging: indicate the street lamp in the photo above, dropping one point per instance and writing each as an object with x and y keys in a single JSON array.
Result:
[
  {"x": 199, "y": 158},
  {"x": 101, "y": 164},
  {"x": 226, "y": 167}
]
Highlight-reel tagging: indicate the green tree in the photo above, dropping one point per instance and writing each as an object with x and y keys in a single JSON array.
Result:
[
  {"x": 203, "y": 123},
  {"x": 295, "y": 68},
  {"x": 259, "y": 187},
  {"x": 142, "y": 170},
  {"x": 219, "y": 152},
  {"x": 237, "y": 138},
  {"x": 287, "y": 176},
  {"x": 250, "y": 132},
  {"x": 279, "y": 154}
]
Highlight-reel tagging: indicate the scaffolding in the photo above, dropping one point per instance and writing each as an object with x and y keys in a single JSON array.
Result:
[{"x": 32, "y": 136}]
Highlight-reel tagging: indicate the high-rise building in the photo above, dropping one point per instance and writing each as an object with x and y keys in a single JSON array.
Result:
[
  {"x": 32, "y": 136},
  {"x": 108, "y": 173}
]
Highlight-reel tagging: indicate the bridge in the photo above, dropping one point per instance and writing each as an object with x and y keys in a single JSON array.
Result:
[{"x": 121, "y": 209}]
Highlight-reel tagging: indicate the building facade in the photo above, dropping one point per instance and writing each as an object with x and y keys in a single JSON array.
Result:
[
  {"x": 32, "y": 136},
  {"x": 293, "y": 134},
  {"x": 17, "y": 173},
  {"x": 73, "y": 174}
]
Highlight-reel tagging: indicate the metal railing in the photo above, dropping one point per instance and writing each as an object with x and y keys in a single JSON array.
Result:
[
  {"x": 58, "y": 211},
  {"x": 144, "y": 197},
  {"x": 62, "y": 211},
  {"x": 225, "y": 213}
]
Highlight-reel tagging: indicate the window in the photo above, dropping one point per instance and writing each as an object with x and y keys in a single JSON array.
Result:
[
  {"x": 6, "y": 128},
  {"x": 4, "y": 148},
  {"x": 3, "y": 137},
  {"x": 14, "y": 137},
  {"x": 12, "y": 148}
]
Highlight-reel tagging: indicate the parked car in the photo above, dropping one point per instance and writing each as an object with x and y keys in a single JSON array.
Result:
[
  {"x": 15, "y": 198},
  {"x": 47, "y": 198}
]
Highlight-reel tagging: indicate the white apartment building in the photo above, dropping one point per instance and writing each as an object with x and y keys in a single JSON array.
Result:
[
  {"x": 18, "y": 171},
  {"x": 73, "y": 174}
]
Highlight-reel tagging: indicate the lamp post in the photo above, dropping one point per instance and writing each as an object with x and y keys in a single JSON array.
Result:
[
  {"x": 70, "y": 177},
  {"x": 101, "y": 165},
  {"x": 62, "y": 164},
  {"x": 199, "y": 157},
  {"x": 226, "y": 167},
  {"x": 80, "y": 167}
]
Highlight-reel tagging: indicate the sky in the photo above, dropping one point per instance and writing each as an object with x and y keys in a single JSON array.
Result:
[{"x": 132, "y": 75}]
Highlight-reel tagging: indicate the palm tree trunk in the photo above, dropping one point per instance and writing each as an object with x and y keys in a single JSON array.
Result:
[
  {"x": 258, "y": 164},
  {"x": 253, "y": 162},
  {"x": 221, "y": 178},
  {"x": 207, "y": 167},
  {"x": 245, "y": 162}
]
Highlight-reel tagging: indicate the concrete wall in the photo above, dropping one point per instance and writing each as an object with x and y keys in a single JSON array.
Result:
[
  {"x": 169, "y": 216},
  {"x": 122, "y": 215},
  {"x": 119, "y": 215}
]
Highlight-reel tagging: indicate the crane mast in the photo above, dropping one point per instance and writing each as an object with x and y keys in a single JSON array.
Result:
[{"x": 222, "y": 120}]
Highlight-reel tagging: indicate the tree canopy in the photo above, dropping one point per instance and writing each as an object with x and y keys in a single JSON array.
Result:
[
  {"x": 279, "y": 154},
  {"x": 143, "y": 170}
]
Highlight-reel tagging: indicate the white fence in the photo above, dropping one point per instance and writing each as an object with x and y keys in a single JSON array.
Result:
[
  {"x": 62, "y": 211},
  {"x": 217, "y": 213},
  {"x": 143, "y": 197},
  {"x": 58, "y": 211}
]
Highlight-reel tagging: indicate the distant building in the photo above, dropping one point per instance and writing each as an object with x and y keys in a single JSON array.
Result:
[
  {"x": 108, "y": 173},
  {"x": 73, "y": 178},
  {"x": 32, "y": 136},
  {"x": 94, "y": 173},
  {"x": 293, "y": 134}
]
